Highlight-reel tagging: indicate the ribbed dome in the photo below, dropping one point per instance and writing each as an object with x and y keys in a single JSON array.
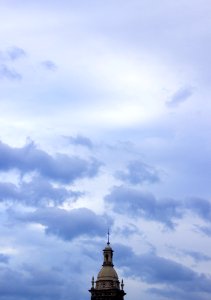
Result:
[
  {"x": 107, "y": 278},
  {"x": 107, "y": 273}
]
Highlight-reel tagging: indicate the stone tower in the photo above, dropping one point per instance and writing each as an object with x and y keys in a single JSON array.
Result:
[{"x": 107, "y": 285}]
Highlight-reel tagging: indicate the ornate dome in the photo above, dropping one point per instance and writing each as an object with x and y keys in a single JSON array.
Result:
[{"x": 107, "y": 273}]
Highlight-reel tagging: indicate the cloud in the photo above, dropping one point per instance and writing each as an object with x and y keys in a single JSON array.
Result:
[
  {"x": 154, "y": 269},
  {"x": 44, "y": 283},
  {"x": 204, "y": 229},
  {"x": 4, "y": 258},
  {"x": 67, "y": 225},
  {"x": 8, "y": 73},
  {"x": 61, "y": 168},
  {"x": 197, "y": 256},
  {"x": 15, "y": 53},
  {"x": 200, "y": 207},
  {"x": 37, "y": 192},
  {"x": 81, "y": 141},
  {"x": 12, "y": 54},
  {"x": 49, "y": 65},
  {"x": 136, "y": 203},
  {"x": 127, "y": 231},
  {"x": 180, "y": 96},
  {"x": 138, "y": 172},
  {"x": 173, "y": 293}
]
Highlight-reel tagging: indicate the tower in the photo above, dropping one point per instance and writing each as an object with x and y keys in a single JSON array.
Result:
[{"x": 107, "y": 285}]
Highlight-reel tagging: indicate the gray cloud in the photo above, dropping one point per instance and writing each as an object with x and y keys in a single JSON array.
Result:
[
  {"x": 135, "y": 202},
  {"x": 67, "y": 225},
  {"x": 62, "y": 168},
  {"x": 138, "y": 172},
  {"x": 197, "y": 256},
  {"x": 127, "y": 231},
  {"x": 180, "y": 96},
  {"x": 37, "y": 192},
  {"x": 173, "y": 293},
  {"x": 9, "y": 73},
  {"x": 154, "y": 269},
  {"x": 15, "y": 53},
  {"x": 140, "y": 204},
  {"x": 200, "y": 207},
  {"x": 80, "y": 140},
  {"x": 204, "y": 229},
  {"x": 49, "y": 65},
  {"x": 4, "y": 258},
  {"x": 37, "y": 283},
  {"x": 12, "y": 54}
]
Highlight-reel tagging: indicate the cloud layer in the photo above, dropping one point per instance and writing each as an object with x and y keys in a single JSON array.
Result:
[
  {"x": 68, "y": 224},
  {"x": 168, "y": 211},
  {"x": 158, "y": 270},
  {"x": 62, "y": 168},
  {"x": 37, "y": 192},
  {"x": 116, "y": 97}
]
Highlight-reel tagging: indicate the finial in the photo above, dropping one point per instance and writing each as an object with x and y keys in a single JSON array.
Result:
[
  {"x": 122, "y": 285},
  {"x": 93, "y": 281},
  {"x": 108, "y": 243}
]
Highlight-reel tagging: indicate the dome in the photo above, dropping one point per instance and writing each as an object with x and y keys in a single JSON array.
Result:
[
  {"x": 108, "y": 247},
  {"x": 107, "y": 273},
  {"x": 107, "y": 278}
]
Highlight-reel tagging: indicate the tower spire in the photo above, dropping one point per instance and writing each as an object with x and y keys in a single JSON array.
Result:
[{"x": 108, "y": 243}]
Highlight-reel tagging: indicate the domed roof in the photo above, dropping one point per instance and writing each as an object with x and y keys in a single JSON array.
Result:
[
  {"x": 108, "y": 247},
  {"x": 107, "y": 273}
]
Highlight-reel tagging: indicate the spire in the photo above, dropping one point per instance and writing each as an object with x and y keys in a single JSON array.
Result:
[
  {"x": 108, "y": 254},
  {"x": 108, "y": 243},
  {"x": 122, "y": 285}
]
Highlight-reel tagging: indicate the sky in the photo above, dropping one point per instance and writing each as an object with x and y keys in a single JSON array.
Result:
[{"x": 105, "y": 122}]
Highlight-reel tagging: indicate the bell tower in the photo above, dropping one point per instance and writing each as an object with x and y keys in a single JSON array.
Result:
[{"x": 107, "y": 285}]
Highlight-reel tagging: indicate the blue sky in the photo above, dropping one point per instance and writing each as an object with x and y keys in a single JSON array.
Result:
[{"x": 105, "y": 121}]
